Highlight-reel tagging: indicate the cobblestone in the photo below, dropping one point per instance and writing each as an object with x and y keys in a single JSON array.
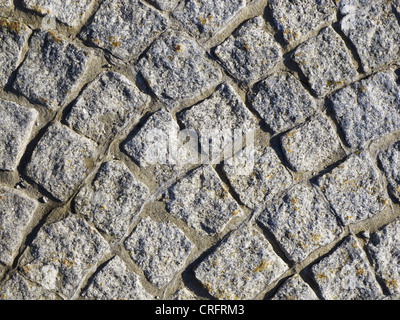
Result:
[
  {"x": 295, "y": 289},
  {"x": 389, "y": 160}
]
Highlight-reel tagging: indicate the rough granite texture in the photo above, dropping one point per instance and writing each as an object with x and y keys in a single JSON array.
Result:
[
  {"x": 390, "y": 160},
  {"x": 295, "y": 289}
]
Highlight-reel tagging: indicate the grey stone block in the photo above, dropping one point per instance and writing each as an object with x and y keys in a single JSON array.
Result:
[
  {"x": 390, "y": 160},
  {"x": 350, "y": 6},
  {"x": 13, "y": 37},
  {"x": 16, "y": 213},
  {"x": 301, "y": 221},
  {"x": 72, "y": 13},
  {"x": 312, "y": 146},
  {"x": 106, "y": 106},
  {"x": 176, "y": 69},
  {"x": 281, "y": 101},
  {"x": 384, "y": 249},
  {"x": 354, "y": 189},
  {"x": 295, "y": 20},
  {"x": 325, "y": 61},
  {"x": 115, "y": 282},
  {"x": 124, "y": 27},
  {"x": 346, "y": 275},
  {"x": 51, "y": 69},
  {"x": 61, "y": 161},
  {"x": 160, "y": 249},
  {"x": 295, "y": 288},
  {"x": 206, "y": 18},
  {"x": 368, "y": 109},
  {"x": 256, "y": 174},
  {"x": 62, "y": 254},
  {"x": 112, "y": 199},
  {"x": 250, "y": 52},
  {"x": 16, "y": 124},
  {"x": 375, "y": 32},
  {"x": 240, "y": 267},
  {"x": 166, "y": 5},
  {"x": 202, "y": 201}
]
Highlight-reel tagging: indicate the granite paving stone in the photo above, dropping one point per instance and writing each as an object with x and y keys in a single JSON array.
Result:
[
  {"x": 124, "y": 27},
  {"x": 16, "y": 213},
  {"x": 350, "y": 6},
  {"x": 250, "y": 52},
  {"x": 295, "y": 288},
  {"x": 345, "y": 274},
  {"x": 240, "y": 267},
  {"x": 389, "y": 160},
  {"x": 354, "y": 189},
  {"x": 165, "y": 5},
  {"x": 16, "y": 124},
  {"x": 61, "y": 161},
  {"x": 301, "y": 221},
  {"x": 325, "y": 61},
  {"x": 160, "y": 249}
]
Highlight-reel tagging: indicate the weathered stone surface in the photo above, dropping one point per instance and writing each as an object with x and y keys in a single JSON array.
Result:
[
  {"x": 346, "y": 275},
  {"x": 176, "y": 69},
  {"x": 124, "y": 27},
  {"x": 241, "y": 266},
  {"x": 295, "y": 288},
  {"x": 16, "y": 123},
  {"x": 369, "y": 109},
  {"x": 351, "y": 6},
  {"x": 301, "y": 221},
  {"x": 5, "y": 3},
  {"x": 160, "y": 249},
  {"x": 281, "y": 101},
  {"x": 17, "y": 287},
  {"x": 219, "y": 120},
  {"x": 384, "y": 249},
  {"x": 16, "y": 213},
  {"x": 325, "y": 61},
  {"x": 296, "y": 19},
  {"x": 312, "y": 146},
  {"x": 166, "y": 5},
  {"x": 61, "y": 161},
  {"x": 106, "y": 106},
  {"x": 62, "y": 254},
  {"x": 206, "y": 18},
  {"x": 201, "y": 201},
  {"x": 72, "y": 13},
  {"x": 13, "y": 37},
  {"x": 115, "y": 282},
  {"x": 183, "y": 294},
  {"x": 354, "y": 189},
  {"x": 390, "y": 161},
  {"x": 256, "y": 174},
  {"x": 251, "y": 52},
  {"x": 375, "y": 32},
  {"x": 42, "y": 76}
]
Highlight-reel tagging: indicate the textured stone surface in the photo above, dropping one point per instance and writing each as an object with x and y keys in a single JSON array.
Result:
[
  {"x": 295, "y": 289},
  {"x": 354, "y": 189},
  {"x": 296, "y": 19},
  {"x": 5, "y": 3},
  {"x": 240, "y": 267},
  {"x": 124, "y": 27},
  {"x": 251, "y": 52},
  {"x": 159, "y": 248},
  {"x": 16, "y": 123},
  {"x": 384, "y": 249},
  {"x": 62, "y": 254},
  {"x": 112, "y": 199},
  {"x": 206, "y": 18},
  {"x": 183, "y": 294},
  {"x": 115, "y": 282},
  {"x": 390, "y": 161},
  {"x": 346, "y": 275},
  {"x": 72, "y": 13},
  {"x": 350, "y": 6},
  {"x": 375, "y": 32},
  {"x": 312, "y": 146},
  {"x": 301, "y": 221},
  {"x": 16, "y": 213},
  {"x": 13, "y": 37},
  {"x": 256, "y": 174},
  {"x": 202, "y": 201},
  {"x": 41, "y": 78},
  {"x": 325, "y": 61},
  {"x": 61, "y": 161},
  {"x": 281, "y": 101},
  {"x": 106, "y": 106},
  {"x": 165, "y": 4},
  {"x": 176, "y": 69},
  {"x": 368, "y": 109}
]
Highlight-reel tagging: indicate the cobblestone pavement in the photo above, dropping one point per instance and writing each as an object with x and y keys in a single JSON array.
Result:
[{"x": 92, "y": 91}]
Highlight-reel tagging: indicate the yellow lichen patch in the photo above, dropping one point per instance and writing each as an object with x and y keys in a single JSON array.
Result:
[
  {"x": 11, "y": 25},
  {"x": 202, "y": 21},
  {"x": 331, "y": 83},
  {"x": 67, "y": 263},
  {"x": 321, "y": 276},
  {"x": 359, "y": 271},
  {"x": 54, "y": 37},
  {"x": 114, "y": 41},
  {"x": 178, "y": 48},
  {"x": 316, "y": 237},
  {"x": 246, "y": 47},
  {"x": 391, "y": 283},
  {"x": 262, "y": 266}
]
